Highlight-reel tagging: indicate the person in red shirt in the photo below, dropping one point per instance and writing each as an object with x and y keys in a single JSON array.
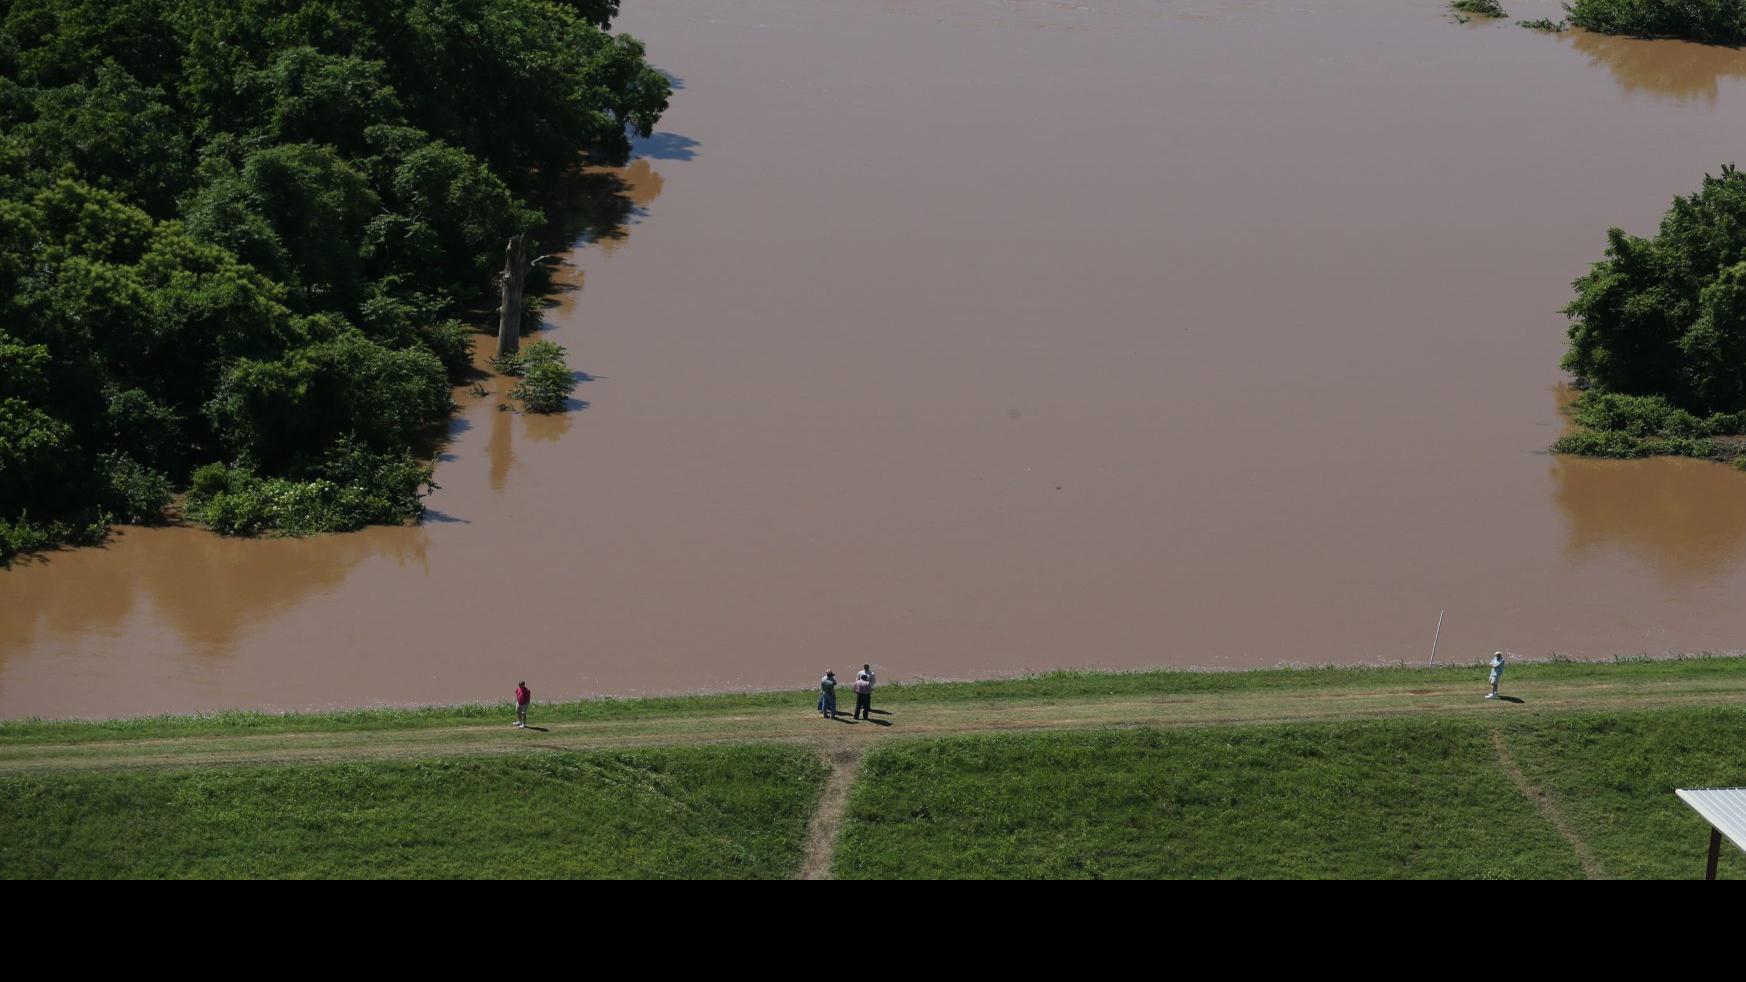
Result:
[{"x": 523, "y": 696}]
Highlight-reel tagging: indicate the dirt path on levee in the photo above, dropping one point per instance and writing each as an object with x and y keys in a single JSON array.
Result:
[
  {"x": 833, "y": 805},
  {"x": 897, "y": 721}
]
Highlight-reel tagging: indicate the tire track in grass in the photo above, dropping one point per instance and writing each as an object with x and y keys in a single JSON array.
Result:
[
  {"x": 821, "y": 833},
  {"x": 1549, "y": 809}
]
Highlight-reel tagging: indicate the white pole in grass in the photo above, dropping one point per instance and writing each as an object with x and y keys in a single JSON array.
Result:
[{"x": 1437, "y": 637}]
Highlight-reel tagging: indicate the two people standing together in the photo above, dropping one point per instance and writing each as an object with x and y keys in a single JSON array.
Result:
[{"x": 827, "y": 698}]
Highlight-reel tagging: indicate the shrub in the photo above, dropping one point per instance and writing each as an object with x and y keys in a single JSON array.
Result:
[
  {"x": 134, "y": 493},
  {"x": 535, "y": 353},
  {"x": 1621, "y": 445},
  {"x": 349, "y": 488},
  {"x": 1601, "y": 443},
  {"x": 545, "y": 387},
  {"x": 546, "y": 382},
  {"x": 1483, "y": 8},
  {"x": 21, "y": 536},
  {"x": 452, "y": 343}
]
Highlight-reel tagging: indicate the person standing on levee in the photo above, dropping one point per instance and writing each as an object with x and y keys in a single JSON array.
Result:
[
  {"x": 1497, "y": 667},
  {"x": 523, "y": 696}
]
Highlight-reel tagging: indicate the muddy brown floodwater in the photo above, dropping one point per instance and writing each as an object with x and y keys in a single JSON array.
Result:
[{"x": 968, "y": 337}]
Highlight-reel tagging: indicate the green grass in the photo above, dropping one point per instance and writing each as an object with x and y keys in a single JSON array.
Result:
[
  {"x": 1280, "y": 773},
  {"x": 1614, "y": 777},
  {"x": 1030, "y": 689},
  {"x": 684, "y": 812},
  {"x": 1396, "y": 798}
]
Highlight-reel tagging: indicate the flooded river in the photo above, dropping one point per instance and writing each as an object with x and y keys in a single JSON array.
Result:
[{"x": 969, "y": 337}]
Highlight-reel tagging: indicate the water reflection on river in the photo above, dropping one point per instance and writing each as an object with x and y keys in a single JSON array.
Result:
[{"x": 1667, "y": 68}]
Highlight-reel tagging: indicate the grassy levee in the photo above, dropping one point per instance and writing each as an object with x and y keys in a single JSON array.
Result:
[
  {"x": 1614, "y": 774},
  {"x": 1400, "y": 798},
  {"x": 1689, "y": 672},
  {"x": 1278, "y": 773},
  {"x": 680, "y": 812},
  {"x": 1380, "y": 799}
]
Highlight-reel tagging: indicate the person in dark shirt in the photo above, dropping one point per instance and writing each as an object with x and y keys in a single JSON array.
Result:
[
  {"x": 864, "y": 694},
  {"x": 827, "y": 698}
]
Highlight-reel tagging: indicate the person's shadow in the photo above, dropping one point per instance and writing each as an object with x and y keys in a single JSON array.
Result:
[
  {"x": 536, "y": 729},
  {"x": 1510, "y": 699}
]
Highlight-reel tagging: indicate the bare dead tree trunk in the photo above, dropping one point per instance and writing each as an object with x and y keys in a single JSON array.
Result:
[{"x": 514, "y": 272}]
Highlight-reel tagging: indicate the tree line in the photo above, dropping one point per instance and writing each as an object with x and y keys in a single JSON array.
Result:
[{"x": 237, "y": 238}]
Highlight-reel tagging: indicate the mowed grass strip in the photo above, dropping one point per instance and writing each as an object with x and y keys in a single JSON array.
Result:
[
  {"x": 1383, "y": 799},
  {"x": 1614, "y": 775},
  {"x": 1695, "y": 671},
  {"x": 727, "y": 812}
]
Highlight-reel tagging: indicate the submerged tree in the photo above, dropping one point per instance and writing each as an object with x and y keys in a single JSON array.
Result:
[{"x": 509, "y": 311}]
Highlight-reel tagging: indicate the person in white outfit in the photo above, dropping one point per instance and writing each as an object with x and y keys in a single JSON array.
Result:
[{"x": 1497, "y": 667}]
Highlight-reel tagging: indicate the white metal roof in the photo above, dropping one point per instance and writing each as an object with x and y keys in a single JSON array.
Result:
[{"x": 1723, "y": 808}]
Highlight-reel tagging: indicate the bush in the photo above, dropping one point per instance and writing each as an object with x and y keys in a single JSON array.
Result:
[
  {"x": 545, "y": 388},
  {"x": 350, "y": 488},
  {"x": 21, "y": 536},
  {"x": 452, "y": 343},
  {"x": 1649, "y": 416},
  {"x": 1639, "y": 426},
  {"x": 24, "y": 535},
  {"x": 134, "y": 493},
  {"x": 546, "y": 381},
  {"x": 1681, "y": 447},
  {"x": 535, "y": 353},
  {"x": 1483, "y": 8},
  {"x": 1602, "y": 443},
  {"x": 1621, "y": 445}
]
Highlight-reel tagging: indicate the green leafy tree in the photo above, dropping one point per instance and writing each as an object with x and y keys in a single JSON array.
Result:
[
  {"x": 238, "y": 239},
  {"x": 454, "y": 215},
  {"x": 116, "y": 134},
  {"x": 276, "y": 413},
  {"x": 1663, "y": 315},
  {"x": 326, "y": 99},
  {"x": 1658, "y": 334},
  {"x": 1715, "y": 21}
]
